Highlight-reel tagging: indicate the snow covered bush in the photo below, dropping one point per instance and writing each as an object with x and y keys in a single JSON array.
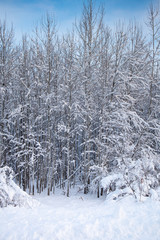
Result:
[
  {"x": 10, "y": 193},
  {"x": 139, "y": 178},
  {"x": 96, "y": 174}
]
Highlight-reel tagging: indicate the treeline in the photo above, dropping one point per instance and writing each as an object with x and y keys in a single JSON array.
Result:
[{"x": 77, "y": 108}]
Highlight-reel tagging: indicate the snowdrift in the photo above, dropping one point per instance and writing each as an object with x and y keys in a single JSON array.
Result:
[
  {"x": 10, "y": 193},
  {"x": 82, "y": 217}
]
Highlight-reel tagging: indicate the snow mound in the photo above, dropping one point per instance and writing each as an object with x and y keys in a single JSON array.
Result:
[{"x": 10, "y": 193}]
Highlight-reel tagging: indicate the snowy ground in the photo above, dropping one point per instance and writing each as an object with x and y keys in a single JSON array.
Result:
[{"x": 82, "y": 218}]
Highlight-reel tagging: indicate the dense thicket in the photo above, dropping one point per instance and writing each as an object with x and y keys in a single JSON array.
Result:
[{"x": 82, "y": 107}]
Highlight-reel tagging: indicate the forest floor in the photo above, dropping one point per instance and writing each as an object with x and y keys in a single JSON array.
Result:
[{"x": 81, "y": 217}]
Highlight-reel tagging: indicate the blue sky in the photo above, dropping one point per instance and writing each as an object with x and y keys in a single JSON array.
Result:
[{"x": 25, "y": 14}]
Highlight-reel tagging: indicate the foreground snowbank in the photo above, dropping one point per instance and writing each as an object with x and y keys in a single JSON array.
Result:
[
  {"x": 82, "y": 217},
  {"x": 10, "y": 193}
]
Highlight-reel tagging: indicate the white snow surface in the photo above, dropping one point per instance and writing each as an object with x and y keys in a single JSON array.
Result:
[{"x": 82, "y": 217}]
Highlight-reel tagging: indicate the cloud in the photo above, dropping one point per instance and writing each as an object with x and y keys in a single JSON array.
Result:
[
  {"x": 125, "y": 16},
  {"x": 25, "y": 15}
]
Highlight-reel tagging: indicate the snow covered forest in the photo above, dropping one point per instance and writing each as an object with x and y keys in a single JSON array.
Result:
[{"x": 83, "y": 108}]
